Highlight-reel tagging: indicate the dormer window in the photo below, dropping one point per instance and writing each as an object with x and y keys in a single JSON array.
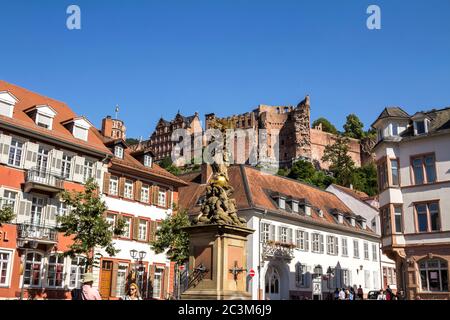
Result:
[
  {"x": 7, "y": 103},
  {"x": 79, "y": 127},
  {"x": 294, "y": 206},
  {"x": 147, "y": 160},
  {"x": 42, "y": 115},
  {"x": 282, "y": 202},
  {"x": 394, "y": 127},
  {"x": 340, "y": 218},
  {"x": 308, "y": 210},
  {"x": 420, "y": 127},
  {"x": 118, "y": 152}
]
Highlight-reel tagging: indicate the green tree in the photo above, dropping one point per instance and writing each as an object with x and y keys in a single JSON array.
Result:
[
  {"x": 302, "y": 170},
  {"x": 283, "y": 172},
  {"x": 87, "y": 224},
  {"x": 167, "y": 164},
  {"x": 6, "y": 215},
  {"x": 365, "y": 179},
  {"x": 131, "y": 141},
  {"x": 341, "y": 164},
  {"x": 353, "y": 127},
  {"x": 327, "y": 126}
]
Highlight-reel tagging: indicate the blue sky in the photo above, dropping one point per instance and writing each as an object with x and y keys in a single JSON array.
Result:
[{"x": 154, "y": 58}]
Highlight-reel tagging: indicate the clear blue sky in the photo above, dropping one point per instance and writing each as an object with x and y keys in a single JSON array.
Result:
[{"x": 155, "y": 57}]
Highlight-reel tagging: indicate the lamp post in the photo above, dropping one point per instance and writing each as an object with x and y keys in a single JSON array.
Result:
[{"x": 137, "y": 273}]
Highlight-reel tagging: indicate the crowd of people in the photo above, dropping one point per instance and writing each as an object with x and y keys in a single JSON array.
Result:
[{"x": 351, "y": 294}]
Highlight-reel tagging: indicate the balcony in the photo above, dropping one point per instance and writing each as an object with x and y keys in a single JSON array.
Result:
[
  {"x": 43, "y": 180},
  {"x": 278, "y": 250},
  {"x": 32, "y": 233}
]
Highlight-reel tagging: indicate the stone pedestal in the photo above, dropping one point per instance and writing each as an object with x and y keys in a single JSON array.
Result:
[{"x": 214, "y": 251}]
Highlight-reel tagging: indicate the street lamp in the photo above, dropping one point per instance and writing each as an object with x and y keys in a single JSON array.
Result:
[{"x": 136, "y": 274}]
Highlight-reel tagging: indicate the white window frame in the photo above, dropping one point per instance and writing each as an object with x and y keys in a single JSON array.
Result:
[
  {"x": 332, "y": 243},
  {"x": 301, "y": 238},
  {"x": 76, "y": 271},
  {"x": 15, "y": 148},
  {"x": 162, "y": 198},
  {"x": 9, "y": 266},
  {"x": 47, "y": 267},
  {"x": 111, "y": 219},
  {"x": 128, "y": 189},
  {"x": 8, "y": 201},
  {"x": 265, "y": 232},
  {"x": 143, "y": 230},
  {"x": 344, "y": 247},
  {"x": 366, "y": 279},
  {"x": 147, "y": 160},
  {"x": 118, "y": 152},
  {"x": 41, "y": 268},
  {"x": 145, "y": 193},
  {"x": 127, "y": 228},
  {"x": 114, "y": 185},
  {"x": 355, "y": 248},
  {"x": 374, "y": 252},
  {"x": 88, "y": 169},
  {"x": 366, "y": 250},
  {"x": 317, "y": 241},
  {"x": 40, "y": 116}
]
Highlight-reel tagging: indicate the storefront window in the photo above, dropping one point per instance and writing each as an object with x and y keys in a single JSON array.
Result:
[{"x": 434, "y": 275}]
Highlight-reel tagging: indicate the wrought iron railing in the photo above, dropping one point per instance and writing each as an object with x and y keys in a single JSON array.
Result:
[
  {"x": 34, "y": 231},
  {"x": 45, "y": 177},
  {"x": 275, "y": 249}
]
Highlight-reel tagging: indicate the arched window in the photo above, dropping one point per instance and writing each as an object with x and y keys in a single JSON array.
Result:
[
  {"x": 55, "y": 270},
  {"x": 33, "y": 269},
  {"x": 434, "y": 275},
  {"x": 272, "y": 281}
]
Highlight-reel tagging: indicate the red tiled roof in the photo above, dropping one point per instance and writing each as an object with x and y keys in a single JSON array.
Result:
[{"x": 28, "y": 99}]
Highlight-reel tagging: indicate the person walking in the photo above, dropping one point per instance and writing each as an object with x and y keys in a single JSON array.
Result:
[
  {"x": 336, "y": 294},
  {"x": 360, "y": 293},
  {"x": 133, "y": 293},
  {"x": 87, "y": 292},
  {"x": 342, "y": 294},
  {"x": 381, "y": 295},
  {"x": 389, "y": 293}
]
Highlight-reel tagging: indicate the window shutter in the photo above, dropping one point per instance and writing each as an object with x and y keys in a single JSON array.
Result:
[
  {"x": 321, "y": 244},
  {"x": 306, "y": 241},
  {"x": 166, "y": 282},
  {"x": 137, "y": 190},
  {"x": 78, "y": 173},
  {"x": 151, "y": 280},
  {"x": 278, "y": 238},
  {"x": 31, "y": 155},
  {"x": 261, "y": 232},
  {"x": 5, "y": 142},
  {"x": 115, "y": 267},
  {"x": 336, "y": 245},
  {"x": 24, "y": 210},
  {"x": 155, "y": 195},
  {"x": 98, "y": 167},
  {"x": 290, "y": 235},
  {"x": 272, "y": 232},
  {"x": 168, "y": 199},
  {"x": 135, "y": 228},
  {"x": 51, "y": 210},
  {"x": 121, "y": 187},
  {"x": 56, "y": 161},
  {"x": 152, "y": 230},
  {"x": 106, "y": 177}
]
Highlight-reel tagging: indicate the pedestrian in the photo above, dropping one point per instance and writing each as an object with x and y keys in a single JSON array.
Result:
[
  {"x": 381, "y": 295},
  {"x": 360, "y": 293},
  {"x": 351, "y": 295},
  {"x": 342, "y": 294},
  {"x": 87, "y": 292},
  {"x": 133, "y": 293},
  {"x": 400, "y": 295},
  {"x": 347, "y": 294},
  {"x": 336, "y": 294},
  {"x": 389, "y": 293}
]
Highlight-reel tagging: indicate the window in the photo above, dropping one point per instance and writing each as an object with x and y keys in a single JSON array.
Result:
[
  {"x": 15, "y": 153},
  {"x": 294, "y": 206},
  {"x": 420, "y": 127},
  {"x": 145, "y": 193},
  {"x": 394, "y": 172},
  {"x": 386, "y": 221},
  {"x": 434, "y": 275},
  {"x": 62, "y": 209},
  {"x": 128, "y": 189},
  {"x": 344, "y": 247},
  {"x": 80, "y": 132},
  {"x": 302, "y": 240},
  {"x": 366, "y": 251},
  {"x": 394, "y": 129},
  {"x": 33, "y": 269},
  {"x": 127, "y": 227},
  {"x": 5, "y": 267},
  {"x": 375, "y": 279},
  {"x": 427, "y": 217},
  {"x": 283, "y": 236},
  {"x": 398, "y": 219},
  {"x": 147, "y": 160},
  {"x": 317, "y": 243},
  {"x": 113, "y": 186},
  {"x": 300, "y": 275},
  {"x": 374, "y": 252},
  {"x": 42, "y": 160},
  {"x": 44, "y": 121},
  {"x": 282, "y": 203},
  {"x": 265, "y": 232},
  {"x": 345, "y": 278},
  {"x": 88, "y": 169},
  {"x": 111, "y": 219},
  {"x": 55, "y": 270},
  {"x": 118, "y": 152},
  {"x": 332, "y": 245},
  {"x": 65, "y": 166},
  {"x": 366, "y": 279},
  {"x": 37, "y": 207},
  {"x": 355, "y": 248},
  {"x": 424, "y": 169},
  {"x": 122, "y": 273},
  {"x": 77, "y": 272},
  {"x": 9, "y": 200},
  {"x": 162, "y": 198},
  {"x": 142, "y": 235},
  {"x": 382, "y": 175}
]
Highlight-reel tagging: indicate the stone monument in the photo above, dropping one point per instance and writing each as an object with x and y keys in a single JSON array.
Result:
[{"x": 218, "y": 240}]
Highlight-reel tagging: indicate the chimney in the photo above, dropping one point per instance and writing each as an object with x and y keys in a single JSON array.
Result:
[
  {"x": 107, "y": 127},
  {"x": 206, "y": 172}
]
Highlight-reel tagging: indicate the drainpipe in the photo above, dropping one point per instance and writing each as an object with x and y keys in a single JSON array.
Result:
[{"x": 259, "y": 259}]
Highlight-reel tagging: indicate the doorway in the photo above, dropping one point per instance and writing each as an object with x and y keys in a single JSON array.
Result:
[{"x": 272, "y": 286}]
